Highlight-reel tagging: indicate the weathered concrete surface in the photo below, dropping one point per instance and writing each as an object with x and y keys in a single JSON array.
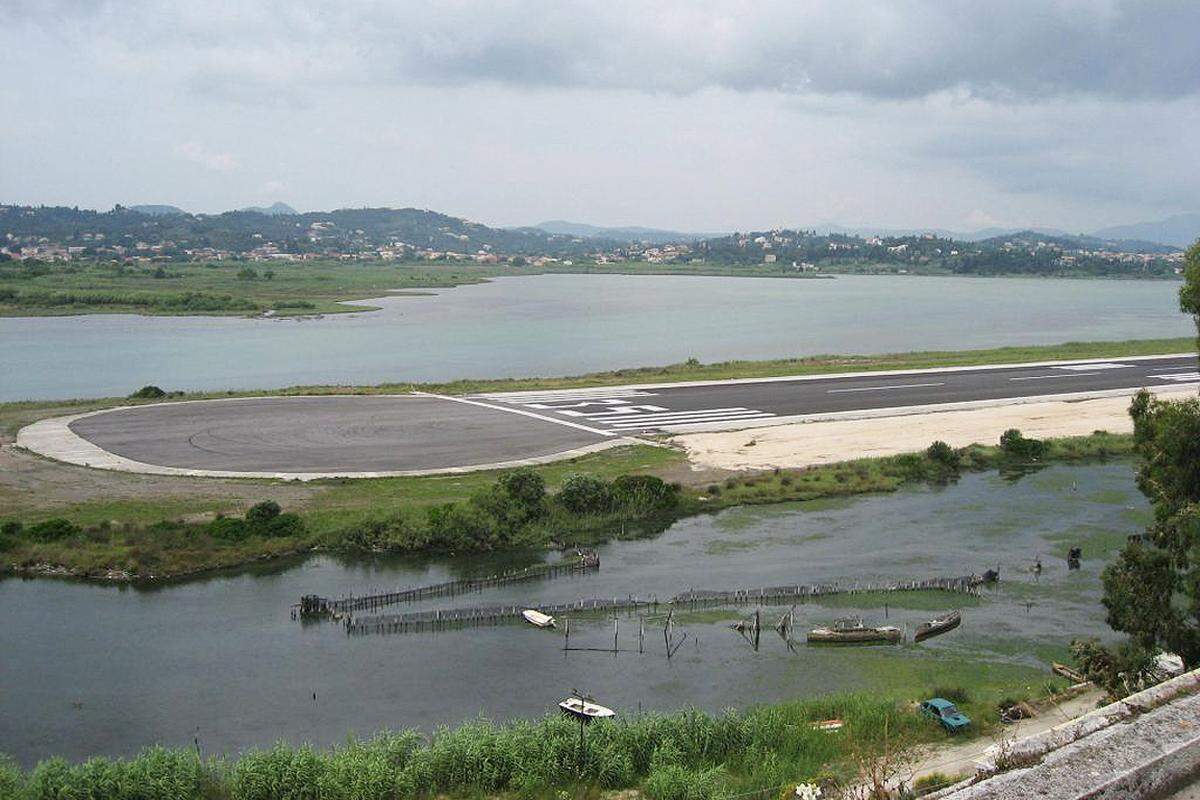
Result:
[{"x": 1144, "y": 747}]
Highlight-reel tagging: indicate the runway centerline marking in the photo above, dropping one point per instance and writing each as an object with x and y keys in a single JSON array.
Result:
[
  {"x": 884, "y": 388},
  {"x": 1046, "y": 377},
  {"x": 1088, "y": 367},
  {"x": 511, "y": 410}
]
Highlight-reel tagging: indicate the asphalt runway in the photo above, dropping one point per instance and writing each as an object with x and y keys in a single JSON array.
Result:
[
  {"x": 732, "y": 404},
  {"x": 371, "y": 433},
  {"x": 326, "y": 434}
]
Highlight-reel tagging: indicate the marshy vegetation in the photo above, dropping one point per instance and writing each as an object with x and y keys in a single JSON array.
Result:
[
  {"x": 552, "y": 506},
  {"x": 680, "y": 756}
]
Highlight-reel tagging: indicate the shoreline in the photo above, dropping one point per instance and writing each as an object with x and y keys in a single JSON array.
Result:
[{"x": 340, "y": 304}]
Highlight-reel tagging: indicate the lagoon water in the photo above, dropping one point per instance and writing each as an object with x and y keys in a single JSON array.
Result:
[
  {"x": 88, "y": 669},
  {"x": 567, "y": 324}
]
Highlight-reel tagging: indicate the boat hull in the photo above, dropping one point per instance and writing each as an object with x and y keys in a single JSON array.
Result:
[
  {"x": 855, "y": 636},
  {"x": 937, "y": 627}
]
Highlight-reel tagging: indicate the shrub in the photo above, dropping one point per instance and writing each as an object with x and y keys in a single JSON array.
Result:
[
  {"x": 52, "y": 530},
  {"x": 585, "y": 494},
  {"x": 1015, "y": 445},
  {"x": 943, "y": 455},
  {"x": 644, "y": 492},
  {"x": 228, "y": 529},
  {"x": 673, "y": 782},
  {"x": 262, "y": 513},
  {"x": 149, "y": 392},
  {"x": 527, "y": 489}
]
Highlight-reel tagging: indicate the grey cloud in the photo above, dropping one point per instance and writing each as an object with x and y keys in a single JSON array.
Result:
[{"x": 898, "y": 49}]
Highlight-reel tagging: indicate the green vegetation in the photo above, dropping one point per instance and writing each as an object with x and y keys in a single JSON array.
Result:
[
  {"x": 580, "y": 502},
  {"x": 680, "y": 755},
  {"x": 223, "y": 287}
]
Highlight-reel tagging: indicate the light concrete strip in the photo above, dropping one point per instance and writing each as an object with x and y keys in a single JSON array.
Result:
[
  {"x": 521, "y": 412},
  {"x": 53, "y": 438},
  {"x": 901, "y": 411},
  {"x": 838, "y": 375}
]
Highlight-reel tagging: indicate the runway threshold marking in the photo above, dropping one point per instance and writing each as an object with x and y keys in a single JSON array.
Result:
[
  {"x": 884, "y": 388},
  {"x": 511, "y": 410}
]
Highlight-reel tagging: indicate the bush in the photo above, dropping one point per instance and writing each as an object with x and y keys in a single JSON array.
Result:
[
  {"x": 673, "y": 782},
  {"x": 644, "y": 492},
  {"x": 943, "y": 455},
  {"x": 527, "y": 490},
  {"x": 52, "y": 530},
  {"x": 585, "y": 494},
  {"x": 261, "y": 514},
  {"x": 1015, "y": 445},
  {"x": 150, "y": 392}
]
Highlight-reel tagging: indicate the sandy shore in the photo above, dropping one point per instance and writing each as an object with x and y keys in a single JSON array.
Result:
[{"x": 804, "y": 444}]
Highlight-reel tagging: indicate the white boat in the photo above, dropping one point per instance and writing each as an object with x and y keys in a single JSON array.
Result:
[
  {"x": 585, "y": 709},
  {"x": 537, "y": 618}
]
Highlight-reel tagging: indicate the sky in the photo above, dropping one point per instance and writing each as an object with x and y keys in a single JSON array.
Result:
[{"x": 697, "y": 116}]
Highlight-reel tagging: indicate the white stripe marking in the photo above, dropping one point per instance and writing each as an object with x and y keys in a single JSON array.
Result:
[
  {"x": 884, "y": 388},
  {"x": 669, "y": 414},
  {"x": 1085, "y": 367},
  {"x": 511, "y": 410},
  {"x": 682, "y": 420},
  {"x": 685, "y": 423},
  {"x": 1046, "y": 377}
]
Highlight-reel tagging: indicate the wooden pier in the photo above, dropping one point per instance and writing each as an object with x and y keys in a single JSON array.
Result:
[
  {"x": 440, "y": 619},
  {"x": 312, "y": 605}
]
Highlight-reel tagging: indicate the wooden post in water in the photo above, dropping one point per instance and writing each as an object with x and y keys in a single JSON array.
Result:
[
  {"x": 615, "y": 621},
  {"x": 641, "y": 634}
]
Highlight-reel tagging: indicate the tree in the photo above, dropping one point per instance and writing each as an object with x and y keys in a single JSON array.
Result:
[
  {"x": 1189, "y": 295},
  {"x": 1152, "y": 590},
  {"x": 585, "y": 494}
]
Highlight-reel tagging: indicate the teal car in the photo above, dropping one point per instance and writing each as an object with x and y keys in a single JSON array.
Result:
[{"x": 946, "y": 714}]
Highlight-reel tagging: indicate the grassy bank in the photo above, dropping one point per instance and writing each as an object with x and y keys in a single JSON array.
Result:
[
  {"x": 14, "y": 415},
  {"x": 681, "y": 756},
  {"x": 580, "y": 502},
  {"x": 220, "y": 288}
]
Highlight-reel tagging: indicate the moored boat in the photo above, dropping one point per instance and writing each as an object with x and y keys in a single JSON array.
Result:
[
  {"x": 537, "y": 618},
  {"x": 937, "y": 625},
  {"x": 585, "y": 709},
  {"x": 852, "y": 631}
]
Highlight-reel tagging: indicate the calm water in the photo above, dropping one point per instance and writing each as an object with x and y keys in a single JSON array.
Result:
[
  {"x": 567, "y": 324},
  {"x": 104, "y": 670}
]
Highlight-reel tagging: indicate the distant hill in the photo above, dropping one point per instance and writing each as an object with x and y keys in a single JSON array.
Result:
[
  {"x": 157, "y": 210},
  {"x": 344, "y": 230},
  {"x": 1181, "y": 230},
  {"x": 1068, "y": 241},
  {"x": 944, "y": 233},
  {"x": 632, "y": 233},
  {"x": 273, "y": 210}
]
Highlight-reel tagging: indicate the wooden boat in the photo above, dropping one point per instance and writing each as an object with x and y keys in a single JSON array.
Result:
[
  {"x": 537, "y": 618},
  {"x": 585, "y": 709},
  {"x": 852, "y": 631},
  {"x": 827, "y": 725},
  {"x": 937, "y": 625},
  {"x": 1067, "y": 672}
]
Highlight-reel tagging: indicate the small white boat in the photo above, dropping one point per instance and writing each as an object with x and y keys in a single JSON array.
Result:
[
  {"x": 537, "y": 618},
  {"x": 585, "y": 709},
  {"x": 827, "y": 725}
]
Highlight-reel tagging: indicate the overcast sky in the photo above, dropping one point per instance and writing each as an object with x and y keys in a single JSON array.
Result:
[{"x": 700, "y": 116}]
